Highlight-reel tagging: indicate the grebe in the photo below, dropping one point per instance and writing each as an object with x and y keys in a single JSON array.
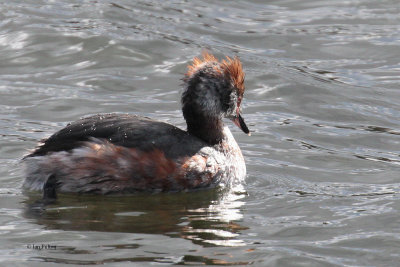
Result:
[{"x": 122, "y": 153}]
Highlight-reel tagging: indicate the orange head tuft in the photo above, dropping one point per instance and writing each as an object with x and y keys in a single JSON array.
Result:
[
  {"x": 197, "y": 62},
  {"x": 230, "y": 67},
  {"x": 233, "y": 68}
]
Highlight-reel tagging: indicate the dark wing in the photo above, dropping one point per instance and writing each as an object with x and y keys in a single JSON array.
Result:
[{"x": 123, "y": 130}]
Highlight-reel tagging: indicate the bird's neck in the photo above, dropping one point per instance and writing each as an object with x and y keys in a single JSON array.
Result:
[{"x": 208, "y": 128}]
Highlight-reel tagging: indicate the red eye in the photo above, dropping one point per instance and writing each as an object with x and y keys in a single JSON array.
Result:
[{"x": 239, "y": 101}]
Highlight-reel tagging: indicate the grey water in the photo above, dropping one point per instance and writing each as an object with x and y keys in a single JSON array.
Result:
[{"x": 322, "y": 101}]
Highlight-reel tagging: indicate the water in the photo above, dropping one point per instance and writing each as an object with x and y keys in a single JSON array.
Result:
[{"x": 322, "y": 100}]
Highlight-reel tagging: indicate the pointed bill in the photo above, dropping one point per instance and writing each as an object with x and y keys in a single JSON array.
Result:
[{"x": 239, "y": 122}]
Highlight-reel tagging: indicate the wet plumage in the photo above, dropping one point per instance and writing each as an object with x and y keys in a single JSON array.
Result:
[{"x": 123, "y": 153}]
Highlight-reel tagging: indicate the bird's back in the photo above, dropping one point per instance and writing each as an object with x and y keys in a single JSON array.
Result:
[{"x": 123, "y": 153}]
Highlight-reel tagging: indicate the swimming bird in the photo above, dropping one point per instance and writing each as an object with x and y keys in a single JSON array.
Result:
[{"x": 124, "y": 153}]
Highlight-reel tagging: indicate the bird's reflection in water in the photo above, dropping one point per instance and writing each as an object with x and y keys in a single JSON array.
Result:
[{"x": 206, "y": 218}]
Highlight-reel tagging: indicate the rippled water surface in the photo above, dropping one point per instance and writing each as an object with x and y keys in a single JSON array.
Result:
[{"x": 322, "y": 100}]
